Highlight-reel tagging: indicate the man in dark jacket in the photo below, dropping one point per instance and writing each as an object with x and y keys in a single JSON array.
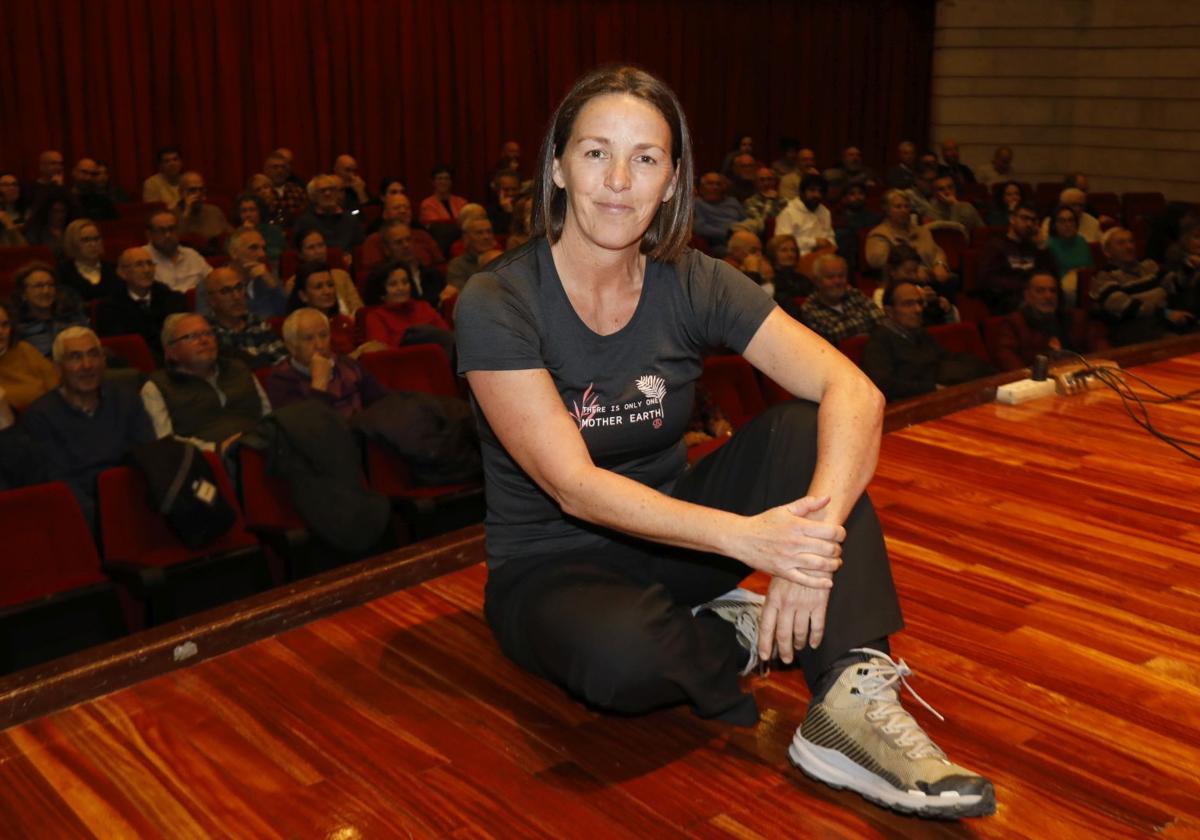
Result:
[
  {"x": 1011, "y": 259},
  {"x": 1039, "y": 327},
  {"x": 141, "y": 305},
  {"x": 903, "y": 360}
]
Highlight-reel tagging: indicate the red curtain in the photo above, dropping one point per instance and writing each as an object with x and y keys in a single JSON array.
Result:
[{"x": 403, "y": 84}]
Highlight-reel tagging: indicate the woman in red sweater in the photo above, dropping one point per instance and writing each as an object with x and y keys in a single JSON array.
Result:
[{"x": 394, "y": 317}]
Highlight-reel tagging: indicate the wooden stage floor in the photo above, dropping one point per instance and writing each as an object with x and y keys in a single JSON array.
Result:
[{"x": 1048, "y": 559}]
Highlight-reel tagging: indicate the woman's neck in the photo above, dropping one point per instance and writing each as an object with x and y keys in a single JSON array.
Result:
[{"x": 581, "y": 263}]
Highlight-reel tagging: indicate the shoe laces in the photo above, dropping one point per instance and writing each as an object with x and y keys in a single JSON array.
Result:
[{"x": 877, "y": 682}]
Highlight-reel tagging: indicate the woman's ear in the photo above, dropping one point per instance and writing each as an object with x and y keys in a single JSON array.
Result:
[{"x": 556, "y": 174}]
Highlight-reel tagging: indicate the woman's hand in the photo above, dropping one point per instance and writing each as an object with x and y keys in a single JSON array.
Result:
[
  {"x": 792, "y": 616},
  {"x": 783, "y": 543}
]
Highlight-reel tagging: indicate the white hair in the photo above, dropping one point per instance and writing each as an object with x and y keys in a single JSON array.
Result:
[
  {"x": 291, "y": 324},
  {"x": 59, "y": 348}
]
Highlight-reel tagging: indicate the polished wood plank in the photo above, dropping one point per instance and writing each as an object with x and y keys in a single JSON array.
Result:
[{"x": 1048, "y": 559}]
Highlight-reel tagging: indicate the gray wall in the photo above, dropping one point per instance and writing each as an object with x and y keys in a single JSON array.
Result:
[{"x": 1106, "y": 87}]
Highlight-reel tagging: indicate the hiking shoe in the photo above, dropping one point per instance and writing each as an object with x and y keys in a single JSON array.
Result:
[
  {"x": 741, "y": 608},
  {"x": 860, "y": 737}
]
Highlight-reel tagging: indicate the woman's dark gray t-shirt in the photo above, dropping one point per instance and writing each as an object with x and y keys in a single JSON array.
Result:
[{"x": 630, "y": 392}]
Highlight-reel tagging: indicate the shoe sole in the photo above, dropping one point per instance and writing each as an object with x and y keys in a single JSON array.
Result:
[{"x": 836, "y": 770}]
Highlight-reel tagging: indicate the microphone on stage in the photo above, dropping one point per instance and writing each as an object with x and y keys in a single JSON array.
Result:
[{"x": 1041, "y": 363}]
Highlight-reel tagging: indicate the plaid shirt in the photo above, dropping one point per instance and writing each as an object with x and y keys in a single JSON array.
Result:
[
  {"x": 857, "y": 315},
  {"x": 256, "y": 344},
  {"x": 758, "y": 210}
]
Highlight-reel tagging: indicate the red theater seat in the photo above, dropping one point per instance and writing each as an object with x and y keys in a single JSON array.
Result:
[
  {"x": 961, "y": 338},
  {"x": 734, "y": 387},
  {"x": 133, "y": 349}
]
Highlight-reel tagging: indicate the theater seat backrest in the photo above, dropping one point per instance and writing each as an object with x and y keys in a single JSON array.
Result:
[
  {"x": 419, "y": 367},
  {"x": 734, "y": 388},
  {"x": 961, "y": 338},
  {"x": 131, "y": 348},
  {"x": 47, "y": 545}
]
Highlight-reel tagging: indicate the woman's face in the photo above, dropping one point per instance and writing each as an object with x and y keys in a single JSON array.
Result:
[
  {"x": 1012, "y": 196},
  {"x": 617, "y": 171},
  {"x": 899, "y": 210},
  {"x": 398, "y": 289},
  {"x": 1065, "y": 226},
  {"x": 394, "y": 188},
  {"x": 746, "y": 145},
  {"x": 91, "y": 244},
  {"x": 312, "y": 249},
  {"x": 319, "y": 292},
  {"x": 443, "y": 183},
  {"x": 40, "y": 290},
  {"x": 787, "y": 254},
  {"x": 248, "y": 212}
]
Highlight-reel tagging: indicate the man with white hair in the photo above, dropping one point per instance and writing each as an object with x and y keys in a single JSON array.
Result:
[
  {"x": 86, "y": 425},
  {"x": 837, "y": 310},
  {"x": 326, "y": 214},
  {"x": 1076, "y": 199},
  {"x": 477, "y": 238},
  {"x": 1133, "y": 296},
  {"x": 200, "y": 397},
  {"x": 313, "y": 371},
  {"x": 248, "y": 257}
]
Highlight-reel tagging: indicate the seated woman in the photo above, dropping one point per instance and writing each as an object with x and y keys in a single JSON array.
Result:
[
  {"x": 310, "y": 246},
  {"x": 83, "y": 269},
  {"x": 897, "y": 228},
  {"x": 44, "y": 310},
  {"x": 394, "y": 318},
  {"x": 784, "y": 256},
  {"x": 1069, "y": 250},
  {"x": 250, "y": 211},
  {"x": 25, "y": 374},
  {"x": 442, "y": 205},
  {"x": 314, "y": 370},
  {"x": 314, "y": 287},
  {"x": 613, "y": 568},
  {"x": 1005, "y": 197}
]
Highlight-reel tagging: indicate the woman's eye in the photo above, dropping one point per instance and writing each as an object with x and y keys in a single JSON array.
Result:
[{"x": 593, "y": 153}]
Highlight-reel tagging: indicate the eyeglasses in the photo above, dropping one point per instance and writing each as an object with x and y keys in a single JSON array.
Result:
[
  {"x": 198, "y": 335},
  {"x": 230, "y": 291}
]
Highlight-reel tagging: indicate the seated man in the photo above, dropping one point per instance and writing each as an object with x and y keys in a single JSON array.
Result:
[
  {"x": 142, "y": 303},
  {"x": 477, "y": 238},
  {"x": 86, "y": 425},
  {"x": 248, "y": 257},
  {"x": 93, "y": 203},
  {"x": 1089, "y": 225},
  {"x": 901, "y": 175},
  {"x": 952, "y": 166},
  {"x": 851, "y": 170},
  {"x": 398, "y": 208},
  {"x": 163, "y": 185},
  {"x": 806, "y": 164},
  {"x": 903, "y": 360},
  {"x": 288, "y": 197},
  {"x": 764, "y": 204},
  {"x": 397, "y": 244},
  {"x": 921, "y": 193},
  {"x": 1010, "y": 259},
  {"x": 240, "y": 335},
  {"x": 176, "y": 266},
  {"x": 341, "y": 229},
  {"x": 742, "y": 184},
  {"x": 806, "y": 219},
  {"x": 354, "y": 188},
  {"x": 852, "y": 216},
  {"x": 715, "y": 213},
  {"x": 199, "y": 397},
  {"x": 837, "y": 310},
  {"x": 1039, "y": 326},
  {"x": 1000, "y": 168},
  {"x": 947, "y": 208},
  {"x": 505, "y": 186},
  {"x": 314, "y": 371},
  {"x": 745, "y": 254},
  {"x": 1133, "y": 295},
  {"x": 196, "y": 216}
]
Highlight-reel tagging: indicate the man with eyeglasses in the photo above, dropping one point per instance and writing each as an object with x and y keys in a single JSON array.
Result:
[
  {"x": 240, "y": 334},
  {"x": 1011, "y": 259},
  {"x": 142, "y": 304},
  {"x": 87, "y": 424},
  {"x": 325, "y": 213},
  {"x": 196, "y": 216},
  {"x": 200, "y": 397},
  {"x": 176, "y": 266}
]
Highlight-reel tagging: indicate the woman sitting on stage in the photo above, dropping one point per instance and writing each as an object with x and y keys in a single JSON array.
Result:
[{"x": 612, "y": 566}]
